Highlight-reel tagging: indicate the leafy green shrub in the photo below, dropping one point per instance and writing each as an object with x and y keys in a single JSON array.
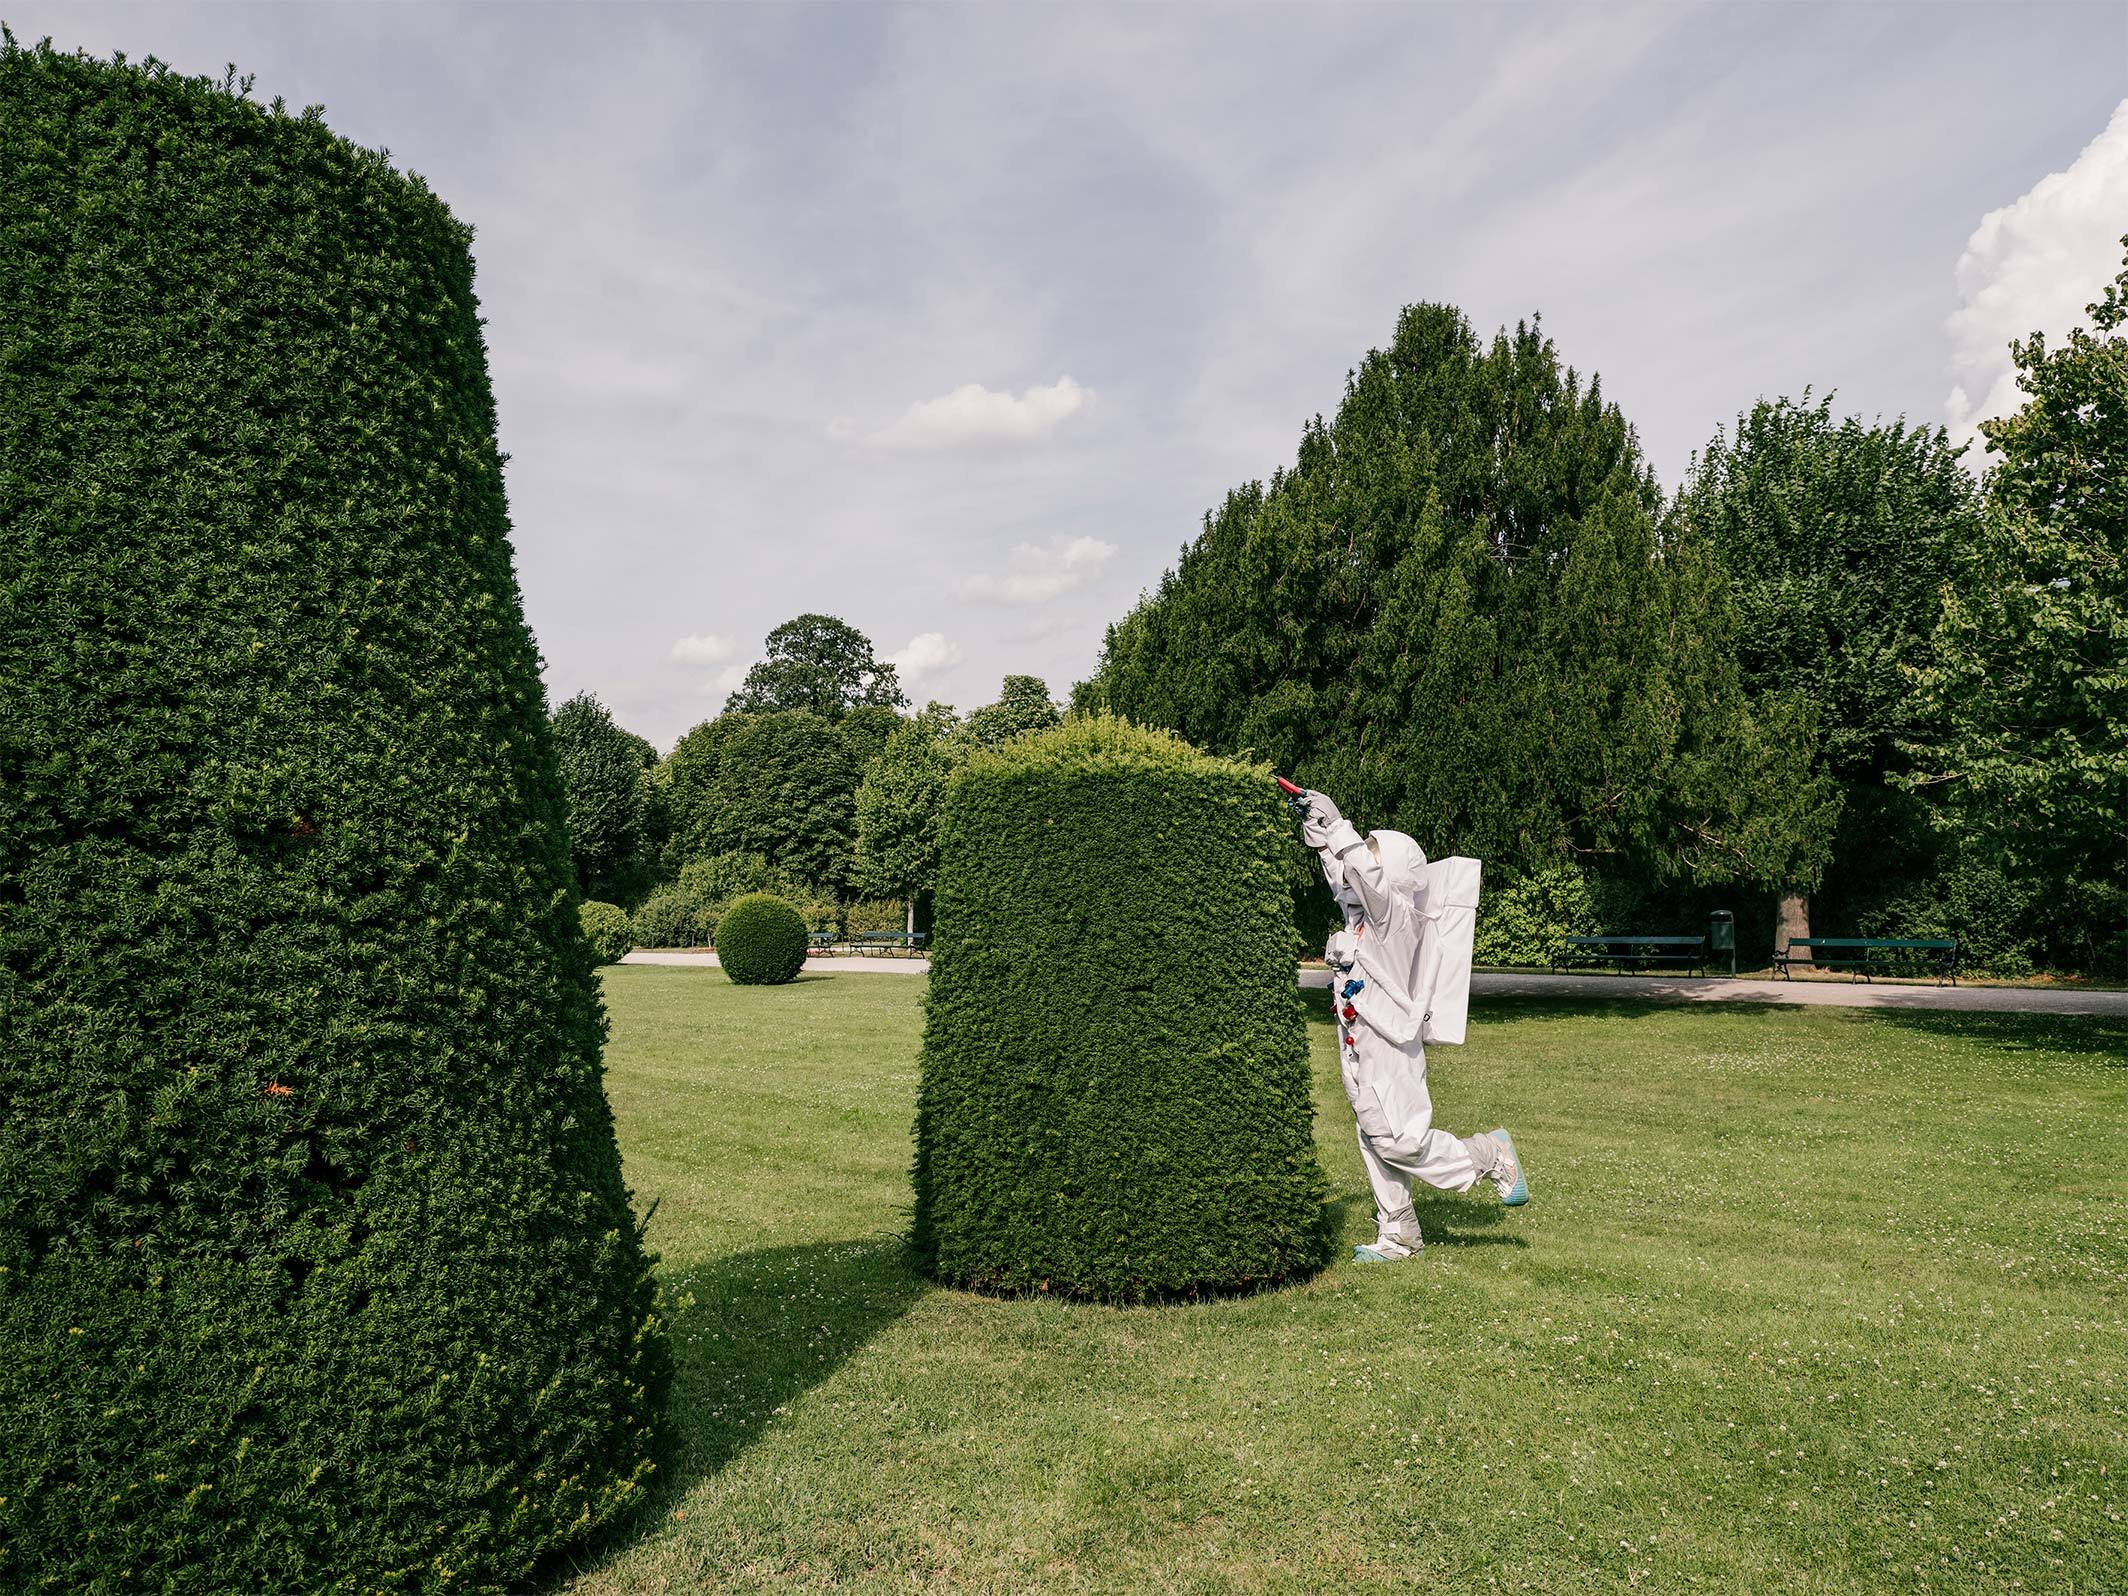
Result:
[
  {"x": 1524, "y": 921},
  {"x": 1115, "y": 1091},
  {"x": 720, "y": 880},
  {"x": 607, "y": 928},
  {"x": 671, "y": 917},
  {"x": 317, "y": 1271},
  {"x": 875, "y": 914},
  {"x": 761, "y": 941},
  {"x": 1996, "y": 918}
]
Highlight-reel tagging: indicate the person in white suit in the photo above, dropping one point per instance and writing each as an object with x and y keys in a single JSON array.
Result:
[{"x": 1400, "y": 977}]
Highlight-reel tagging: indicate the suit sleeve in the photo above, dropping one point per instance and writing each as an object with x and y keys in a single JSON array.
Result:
[{"x": 1342, "y": 842}]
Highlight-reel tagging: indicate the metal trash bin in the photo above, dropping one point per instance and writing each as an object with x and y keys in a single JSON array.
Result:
[{"x": 1721, "y": 936}]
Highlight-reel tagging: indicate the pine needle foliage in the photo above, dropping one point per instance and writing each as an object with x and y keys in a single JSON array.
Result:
[
  {"x": 1114, "y": 1099},
  {"x": 761, "y": 941},
  {"x": 1462, "y": 613},
  {"x": 317, "y": 1272}
]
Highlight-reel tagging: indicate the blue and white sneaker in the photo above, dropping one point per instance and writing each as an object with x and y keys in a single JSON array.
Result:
[
  {"x": 1507, "y": 1173},
  {"x": 1387, "y": 1249}
]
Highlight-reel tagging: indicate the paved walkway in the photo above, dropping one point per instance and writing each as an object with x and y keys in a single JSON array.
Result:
[
  {"x": 1835, "y": 992},
  {"x": 873, "y": 963}
]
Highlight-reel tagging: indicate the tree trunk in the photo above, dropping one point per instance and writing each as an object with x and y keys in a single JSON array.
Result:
[
  {"x": 912, "y": 917},
  {"x": 1791, "y": 919}
]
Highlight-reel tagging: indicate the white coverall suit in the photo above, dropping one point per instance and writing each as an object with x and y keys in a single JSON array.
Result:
[{"x": 1378, "y": 989}]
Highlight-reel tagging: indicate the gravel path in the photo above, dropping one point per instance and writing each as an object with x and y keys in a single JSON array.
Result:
[{"x": 1836, "y": 992}]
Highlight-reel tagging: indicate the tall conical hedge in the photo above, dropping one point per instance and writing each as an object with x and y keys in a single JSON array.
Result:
[
  {"x": 1115, "y": 1092},
  {"x": 316, "y": 1267}
]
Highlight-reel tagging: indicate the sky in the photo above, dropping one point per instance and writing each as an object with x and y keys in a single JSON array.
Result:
[{"x": 954, "y": 322}]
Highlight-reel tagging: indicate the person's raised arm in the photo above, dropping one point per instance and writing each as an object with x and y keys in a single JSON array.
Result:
[{"x": 1333, "y": 836}]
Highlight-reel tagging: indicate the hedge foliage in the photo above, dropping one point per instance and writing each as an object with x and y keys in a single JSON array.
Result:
[
  {"x": 761, "y": 941},
  {"x": 608, "y": 930},
  {"x": 1115, "y": 1092},
  {"x": 722, "y": 879},
  {"x": 1527, "y": 919},
  {"x": 317, "y": 1271},
  {"x": 671, "y": 917}
]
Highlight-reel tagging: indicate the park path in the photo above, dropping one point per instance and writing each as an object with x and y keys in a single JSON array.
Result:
[{"x": 1835, "y": 992}]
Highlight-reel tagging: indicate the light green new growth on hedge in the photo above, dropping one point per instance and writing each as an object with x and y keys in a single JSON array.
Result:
[
  {"x": 609, "y": 931},
  {"x": 317, "y": 1272},
  {"x": 1115, "y": 1092},
  {"x": 761, "y": 940}
]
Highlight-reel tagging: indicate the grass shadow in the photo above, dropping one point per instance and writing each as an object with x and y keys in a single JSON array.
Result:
[
  {"x": 2098, "y": 1036},
  {"x": 1493, "y": 1008},
  {"x": 761, "y": 1329},
  {"x": 1447, "y": 1219}
]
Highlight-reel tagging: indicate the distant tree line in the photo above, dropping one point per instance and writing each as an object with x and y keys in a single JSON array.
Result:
[
  {"x": 811, "y": 784},
  {"x": 1833, "y": 681}
]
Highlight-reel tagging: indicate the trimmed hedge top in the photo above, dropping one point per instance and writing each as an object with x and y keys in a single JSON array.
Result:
[
  {"x": 317, "y": 1271},
  {"x": 761, "y": 940},
  {"x": 1115, "y": 1093}
]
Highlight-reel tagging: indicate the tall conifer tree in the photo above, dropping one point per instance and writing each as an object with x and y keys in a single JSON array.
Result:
[{"x": 1462, "y": 612}]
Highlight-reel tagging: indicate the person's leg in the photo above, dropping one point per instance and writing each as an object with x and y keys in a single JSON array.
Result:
[
  {"x": 1494, "y": 1153},
  {"x": 1419, "y": 1152},
  {"x": 1394, "y": 1221},
  {"x": 1396, "y": 1227},
  {"x": 1405, "y": 1137}
]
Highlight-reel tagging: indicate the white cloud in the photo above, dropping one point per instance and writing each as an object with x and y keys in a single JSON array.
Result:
[
  {"x": 703, "y": 648},
  {"x": 725, "y": 682},
  {"x": 1037, "y": 575},
  {"x": 923, "y": 655},
  {"x": 2033, "y": 266},
  {"x": 975, "y": 414}
]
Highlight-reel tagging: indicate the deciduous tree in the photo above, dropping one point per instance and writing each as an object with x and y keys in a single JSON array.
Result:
[
  {"x": 1837, "y": 536},
  {"x": 818, "y": 664},
  {"x": 606, "y": 783},
  {"x": 2030, "y": 677}
]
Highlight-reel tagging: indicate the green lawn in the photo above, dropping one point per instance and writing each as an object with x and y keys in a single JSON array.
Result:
[{"x": 1804, "y": 1300}]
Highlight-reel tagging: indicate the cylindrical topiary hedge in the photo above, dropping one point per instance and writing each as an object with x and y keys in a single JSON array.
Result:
[
  {"x": 761, "y": 940},
  {"x": 317, "y": 1272},
  {"x": 1115, "y": 1089}
]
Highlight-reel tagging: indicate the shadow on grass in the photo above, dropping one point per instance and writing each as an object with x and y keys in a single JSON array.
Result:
[
  {"x": 1450, "y": 1220},
  {"x": 2103, "y": 1037},
  {"x": 1446, "y": 1219},
  {"x": 1501, "y": 1008},
  {"x": 763, "y": 1329}
]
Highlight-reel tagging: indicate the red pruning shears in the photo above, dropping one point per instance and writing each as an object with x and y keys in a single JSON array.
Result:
[{"x": 1296, "y": 797}]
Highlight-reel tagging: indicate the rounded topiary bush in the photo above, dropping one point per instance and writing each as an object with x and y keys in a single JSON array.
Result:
[
  {"x": 1115, "y": 1090},
  {"x": 761, "y": 940},
  {"x": 609, "y": 931},
  {"x": 317, "y": 1272}
]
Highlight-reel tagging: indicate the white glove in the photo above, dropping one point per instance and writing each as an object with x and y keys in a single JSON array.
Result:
[{"x": 1321, "y": 819}]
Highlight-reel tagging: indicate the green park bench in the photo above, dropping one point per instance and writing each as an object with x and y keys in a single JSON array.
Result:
[
  {"x": 912, "y": 940},
  {"x": 1633, "y": 952},
  {"x": 1938, "y": 955}
]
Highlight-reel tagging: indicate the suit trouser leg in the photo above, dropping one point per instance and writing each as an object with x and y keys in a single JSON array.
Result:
[{"x": 1398, "y": 1144}]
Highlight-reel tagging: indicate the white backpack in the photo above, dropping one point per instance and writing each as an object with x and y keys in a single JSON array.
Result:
[{"x": 1448, "y": 920}]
